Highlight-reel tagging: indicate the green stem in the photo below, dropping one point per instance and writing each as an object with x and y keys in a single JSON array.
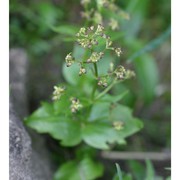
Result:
[
  {"x": 96, "y": 70},
  {"x": 85, "y": 56},
  {"x": 96, "y": 75},
  {"x": 106, "y": 90}
]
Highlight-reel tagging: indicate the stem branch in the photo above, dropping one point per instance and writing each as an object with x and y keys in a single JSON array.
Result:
[
  {"x": 106, "y": 90},
  {"x": 96, "y": 75}
]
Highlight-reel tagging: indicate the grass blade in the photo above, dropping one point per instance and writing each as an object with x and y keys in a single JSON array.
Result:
[
  {"x": 152, "y": 45},
  {"x": 119, "y": 173}
]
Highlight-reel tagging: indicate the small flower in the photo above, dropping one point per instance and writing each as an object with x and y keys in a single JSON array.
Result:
[
  {"x": 95, "y": 57},
  {"x": 91, "y": 28},
  {"x": 120, "y": 72},
  {"x": 102, "y": 81},
  {"x": 87, "y": 14},
  {"x": 108, "y": 44},
  {"x": 85, "y": 2},
  {"x": 125, "y": 15},
  {"x": 94, "y": 42},
  {"x": 82, "y": 31},
  {"x": 113, "y": 24},
  {"x": 118, "y": 125},
  {"x": 99, "y": 30},
  {"x": 82, "y": 71},
  {"x": 129, "y": 74},
  {"x": 104, "y": 3},
  {"x": 75, "y": 105},
  {"x": 97, "y": 18},
  {"x": 118, "y": 51},
  {"x": 58, "y": 92},
  {"x": 69, "y": 60}
]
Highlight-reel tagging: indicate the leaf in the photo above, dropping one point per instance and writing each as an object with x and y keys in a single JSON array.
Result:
[
  {"x": 137, "y": 169},
  {"x": 119, "y": 172},
  {"x": 69, "y": 30},
  {"x": 49, "y": 14},
  {"x": 99, "y": 111},
  {"x": 168, "y": 178},
  {"x": 147, "y": 75},
  {"x": 104, "y": 64},
  {"x": 114, "y": 98},
  {"x": 100, "y": 134},
  {"x": 151, "y": 45},
  {"x": 124, "y": 114},
  {"x": 59, "y": 127},
  {"x": 138, "y": 10},
  {"x": 86, "y": 169},
  {"x": 150, "y": 174}
]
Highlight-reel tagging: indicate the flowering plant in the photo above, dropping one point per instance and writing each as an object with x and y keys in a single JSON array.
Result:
[{"x": 85, "y": 113}]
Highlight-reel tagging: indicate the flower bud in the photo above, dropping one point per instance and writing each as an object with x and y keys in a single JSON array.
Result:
[
  {"x": 69, "y": 60},
  {"x": 82, "y": 71},
  {"x": 102, "y": 81},
  {"x": 118, "y": 125},
  {"x": 113, "y": 24},
  {"x": 58, "y": 92},
  {"x": 118, "y": 51},
  {"x": 75, "y": 105}
]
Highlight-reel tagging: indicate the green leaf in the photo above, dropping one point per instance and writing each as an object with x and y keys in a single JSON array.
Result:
[
  {"x": 100, "y": 110},
  {"x": 49, "y": 14},
  {"x": 100, "y": 135},
  {"x": 124, "y": 114},
  {"x": 86, "y": 169},
  {"x": 104, "y": 64},
  {"x": 71, "y": 74},
  {"x": 69, "y": 30},
  {"x": 150, "y": 174},
  {"x": 59, "y": 127},
  {"x": 147, "y": 75},
  {"x": 119, "y": 172},
  {"x": 138, "y": 10},
  {"x": 151, "y": 45},
  {"x": 137, "y": 169},
  {"x": 114, "y": 98},
  {"x": 168, "y": 178}
]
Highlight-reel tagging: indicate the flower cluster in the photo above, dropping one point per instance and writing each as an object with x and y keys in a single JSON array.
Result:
[
  {"x": 118, "y": 51},
  {"x": 69, "y": 60},
  {"x": 92, "y": 14},
  {"x": 88, "y": 37},
  {"x": 75, "y": 105},
  {"x": 103, "y": 81},
  {"x": 58, "y": 92},
  {"x": 121, "y": 73},
  {"x": 113, "y": 24},
  {"x": 82, "y": 70},
  {"x": 95, "y": 57}
]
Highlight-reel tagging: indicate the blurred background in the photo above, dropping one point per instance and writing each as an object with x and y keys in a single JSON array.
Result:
[{"x": 42, "y": 29}]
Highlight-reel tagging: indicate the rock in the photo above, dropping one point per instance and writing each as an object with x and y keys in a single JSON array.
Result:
[
  {"x": 20, "y": 151},
  {"x": 29, "y": 158},
  {"x": 18, "y": 79}
]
